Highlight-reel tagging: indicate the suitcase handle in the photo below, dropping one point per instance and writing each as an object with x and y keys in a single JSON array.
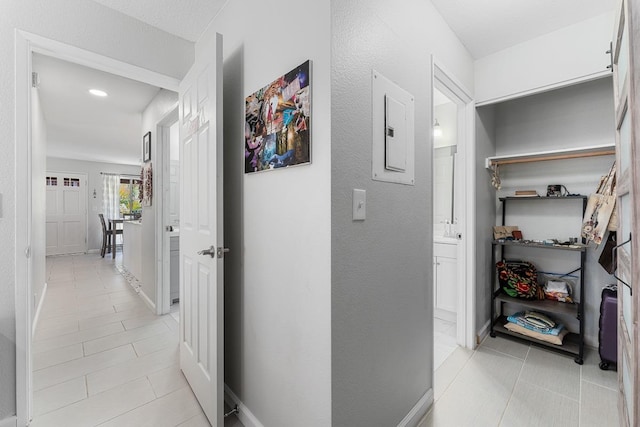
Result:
[{"x": 614, "y": 254}]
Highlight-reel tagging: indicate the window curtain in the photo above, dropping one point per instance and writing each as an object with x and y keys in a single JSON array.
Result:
[{"x": 111, "y": 196}]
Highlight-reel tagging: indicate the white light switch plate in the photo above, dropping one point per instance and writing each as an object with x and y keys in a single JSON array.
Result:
[{"x": 359, "y": 204}]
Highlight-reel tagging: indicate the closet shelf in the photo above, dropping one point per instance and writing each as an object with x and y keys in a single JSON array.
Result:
[{"x": 540, "y": 156}]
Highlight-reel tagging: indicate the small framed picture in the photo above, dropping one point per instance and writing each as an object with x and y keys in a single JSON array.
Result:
[{"x": 146, "y": 147}]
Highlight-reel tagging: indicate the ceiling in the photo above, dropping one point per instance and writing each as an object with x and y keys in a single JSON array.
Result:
[
  {"x": 186, "y": 19},
  {"x": 488, "y": 26},
  {"x": 85, "y": 127}
]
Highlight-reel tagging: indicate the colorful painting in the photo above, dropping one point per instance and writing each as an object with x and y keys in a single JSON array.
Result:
[{"x": 277, "y": 123}]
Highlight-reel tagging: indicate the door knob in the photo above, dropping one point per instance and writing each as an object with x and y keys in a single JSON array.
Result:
[
  {"x": 222, "y": 251},
  {"x": 211, "y": 252}
]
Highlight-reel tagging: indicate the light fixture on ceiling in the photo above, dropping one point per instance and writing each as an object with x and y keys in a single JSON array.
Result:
[
  {"x": 437, "y": 130},
  {"x": 98, "y": 92}
]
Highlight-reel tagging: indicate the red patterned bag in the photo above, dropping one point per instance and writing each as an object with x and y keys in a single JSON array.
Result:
[{"x": 519, "y": 279}]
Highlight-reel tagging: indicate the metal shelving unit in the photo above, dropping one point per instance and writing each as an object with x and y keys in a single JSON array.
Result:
[{"x": 573, "y": 343}]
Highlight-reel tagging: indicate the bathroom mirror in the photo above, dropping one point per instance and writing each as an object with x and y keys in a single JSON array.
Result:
[{"x": 444, "y": 150}]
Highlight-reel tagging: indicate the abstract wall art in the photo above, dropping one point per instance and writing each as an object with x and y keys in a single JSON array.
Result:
[{"x": 277, "y": 123}]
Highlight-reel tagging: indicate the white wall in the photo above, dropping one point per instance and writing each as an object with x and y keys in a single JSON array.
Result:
[
  {"x": 95, "y": 205},
  {"x": 277, "y": 223},
  {"x": 90, "y": 26},
  {"x": 163, "y": 103},
  {"x": 568, "y": 117},
  {"x": 382, "y": 276},
  {"x": 39, "y": 198},
  {"x": 570, "y": 53}
]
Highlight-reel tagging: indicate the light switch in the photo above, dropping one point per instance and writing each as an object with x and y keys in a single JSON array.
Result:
[{"x": 359, "y": 204}]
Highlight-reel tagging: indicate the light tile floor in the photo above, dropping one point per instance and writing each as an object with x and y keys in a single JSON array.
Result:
[
  {"x": 512, "y": 384},
  {"x": 102, "y": 358},
  {"x": 444, "y": 337}
]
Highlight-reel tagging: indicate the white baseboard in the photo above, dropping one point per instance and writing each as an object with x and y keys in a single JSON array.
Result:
[
  {"x": 146, "y": 299},
  {"x": 38, "y": 309},
  {"x": 418, "y": 412},
  {"x": 483, "y": 332},
  {"x": 93, "y": 251},
  {"x": 9, "y": 422},
  {"x": 244, "y": 414}
]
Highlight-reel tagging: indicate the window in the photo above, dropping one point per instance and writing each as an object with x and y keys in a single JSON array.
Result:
[{"x": 130, "y": 197}]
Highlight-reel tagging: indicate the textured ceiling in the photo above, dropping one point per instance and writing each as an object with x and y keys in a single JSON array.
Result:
[
  {"x": 488, "y": 26},
  {"x": 85, "y": 127},
  {"x": 186, "y": 19}
]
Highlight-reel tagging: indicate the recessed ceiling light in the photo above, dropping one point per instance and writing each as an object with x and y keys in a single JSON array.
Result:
[{"x": 97, "y": 92}]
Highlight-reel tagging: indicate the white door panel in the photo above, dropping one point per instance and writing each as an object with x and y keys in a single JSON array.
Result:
[
  {"x": 626, "y": 95},
  {"x": 201, "y": 287},
  {"x": 66, "y": 220}
]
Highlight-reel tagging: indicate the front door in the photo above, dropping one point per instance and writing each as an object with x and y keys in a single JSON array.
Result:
[
  {"x": 66, "y": 213},
  {"x": 626, "y": 93},
  {"x": 201, "y": 270}
]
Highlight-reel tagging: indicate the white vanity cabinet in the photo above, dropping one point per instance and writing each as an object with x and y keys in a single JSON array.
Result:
[{"x": 445, "y": 278}]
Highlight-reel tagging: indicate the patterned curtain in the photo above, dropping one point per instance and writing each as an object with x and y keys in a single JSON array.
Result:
[{"x": 111, "y": 196}]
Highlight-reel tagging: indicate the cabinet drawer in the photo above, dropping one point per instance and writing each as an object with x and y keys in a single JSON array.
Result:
[{"x": 445, "y": 250}]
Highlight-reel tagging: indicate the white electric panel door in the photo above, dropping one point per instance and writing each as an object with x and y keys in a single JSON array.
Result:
[
  {"x": 395, "y": 135},
  {"x": 393, "y": 132}
]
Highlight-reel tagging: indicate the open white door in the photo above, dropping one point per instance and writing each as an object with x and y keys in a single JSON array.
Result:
[{"x": 201, "y": 274}]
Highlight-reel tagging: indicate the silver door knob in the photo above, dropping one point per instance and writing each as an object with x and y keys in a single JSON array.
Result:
[
  {"x": 222, "y": 251},
  {"x": 211, "y": 252}
]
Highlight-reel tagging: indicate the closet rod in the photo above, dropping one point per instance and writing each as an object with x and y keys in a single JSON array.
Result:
[
  {"x": 120, "y": 174},
  {"x": 565, "y": 156}
]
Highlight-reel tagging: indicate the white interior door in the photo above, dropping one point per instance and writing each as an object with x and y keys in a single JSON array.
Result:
[
  {"x": 626, "y": 91},
  {"x": 66, "y": 218},
  {"x": 201, "y": 281}
]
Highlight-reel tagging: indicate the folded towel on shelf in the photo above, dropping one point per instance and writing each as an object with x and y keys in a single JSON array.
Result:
[
  {"x": 519, "y": 319},
  {"x": 539, "y": 320},
  {"x": 553, "y": 339}
]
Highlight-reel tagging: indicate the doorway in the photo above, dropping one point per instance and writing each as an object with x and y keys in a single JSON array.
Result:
[
  {"x": 32, "y": 164},
  {"x": 453, "y": 224}
]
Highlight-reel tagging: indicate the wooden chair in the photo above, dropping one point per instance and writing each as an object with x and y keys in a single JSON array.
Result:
[{"x": 107, "y": 235}]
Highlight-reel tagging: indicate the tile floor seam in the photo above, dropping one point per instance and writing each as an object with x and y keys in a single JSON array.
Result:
[
  {"x": 130, "y": 410},
  {"x": 454, "y": 377},
  {"x": 551, "y": 391},
  {"x": 515, "y": 384},
  {"x": 600, "y": 385}
]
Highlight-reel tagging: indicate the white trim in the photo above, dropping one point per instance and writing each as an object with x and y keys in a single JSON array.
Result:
[
  {"x": 22, "y": 227},
  {"x": 40, "y": 303},
  {"x": 25, "y": 44},
  {"x": 93, "y": 251},
  {"x": 466, "y": 305},
  {"x": 547, "y": 88},
  {"x": 245, "y": 416},
  {"x": 9, "y": 422},
  {"x": 417, "y": 413},
  {"x": 162, "y": 237},
  {"x": 146, "y": 299},
  {"x": 94, "y": 60},
  {"x": 483, "y": 332}
]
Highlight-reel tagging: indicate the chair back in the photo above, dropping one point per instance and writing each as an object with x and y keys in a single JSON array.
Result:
[{"x": 104, "y": 226}]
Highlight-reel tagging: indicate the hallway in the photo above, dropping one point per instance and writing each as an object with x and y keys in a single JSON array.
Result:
[{"x": 102, "y": 358}]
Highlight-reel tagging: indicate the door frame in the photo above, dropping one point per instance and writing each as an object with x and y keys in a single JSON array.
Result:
[
  {"x": 466, "y": 283},
  {"x": 85, "y": 178},
  {"x": 25, "y": 45},
  {"x": 162, "y": 238}
]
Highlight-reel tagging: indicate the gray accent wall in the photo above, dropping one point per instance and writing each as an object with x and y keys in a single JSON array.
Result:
[
  {"x": 485, "y": 211},
  {"x": 381, "y": 269}
]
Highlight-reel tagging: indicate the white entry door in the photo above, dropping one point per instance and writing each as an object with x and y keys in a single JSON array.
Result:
[
  {"x": 66, "y": 219},
  {"x": 201, "y": 274}
]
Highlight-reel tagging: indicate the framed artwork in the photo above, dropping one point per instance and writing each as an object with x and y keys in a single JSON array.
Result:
[
  {"x": 277, "y": 123},
  {"x": 146, "y": 147}
]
